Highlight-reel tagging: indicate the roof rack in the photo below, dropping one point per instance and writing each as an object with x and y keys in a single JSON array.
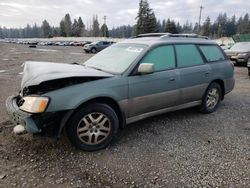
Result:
[
  {"x": 167, "y": 35},
  {"x": 186, "y": 35},
  {"x": 151, "y": 35}
]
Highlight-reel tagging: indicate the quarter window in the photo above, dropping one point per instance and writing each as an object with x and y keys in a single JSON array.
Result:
[
  {"x": 212, "y": 53},
  {"x": 188, "y": 55},
  {"x": 162, "y": 57}
]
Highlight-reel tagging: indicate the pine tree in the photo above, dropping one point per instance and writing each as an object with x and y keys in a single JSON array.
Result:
[
  {"x": 45, "y": 29},
  {"x": 245, "y": 24},
  {"x": 231, "y": 27},
  {"x": 62, "y": 29},
  {"x": 1, "y": 32},
  {"x": 68, "y": 25},
  {"x": 104, "y": 31},
  {"x": 163, "y": 26},
  {"x": 196, "y": 28},
  {"x": 146, "y": 20},
  {"x": 35, "y": 31},
  {"x": 206, "y": 27},
  {"x": 95, "y": 26},
  {"x": 170, "y": 27},
  {"x": 81, "y": 27},
  {"x": 187, "y": 27},
  {"x": 178, "y": 28},
  {"x": 220, "y": 25},
  {"x": 75, "y": 29}
]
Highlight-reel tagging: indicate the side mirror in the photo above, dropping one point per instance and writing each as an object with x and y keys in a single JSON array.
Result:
[{"x": 146, "y": 68}]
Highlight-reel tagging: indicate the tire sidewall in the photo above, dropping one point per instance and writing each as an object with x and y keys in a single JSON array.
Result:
[
  {"x": 93, "y": 50},
  {"x": 71, "y": 127},
  {"x": 204, "y": 107}
]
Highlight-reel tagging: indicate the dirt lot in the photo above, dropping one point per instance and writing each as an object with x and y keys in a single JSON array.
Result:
[{"x": 180, "y": 149}]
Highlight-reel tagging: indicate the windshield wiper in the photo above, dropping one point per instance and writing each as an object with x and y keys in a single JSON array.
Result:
[
  {"x": 75, "y": 63},
  {"x": 96, "y": 68}
]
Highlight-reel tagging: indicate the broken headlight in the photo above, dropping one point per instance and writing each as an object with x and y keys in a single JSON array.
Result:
[{"x": 34, "y": 104}]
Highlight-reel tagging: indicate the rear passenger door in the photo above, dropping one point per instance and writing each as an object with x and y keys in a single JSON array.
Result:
[
  {"x": 99, "y": 46},
  {"x": 105, "y": 45},
  {"x": 158, "y": 90},
  {"x": 194, "y": 73}
]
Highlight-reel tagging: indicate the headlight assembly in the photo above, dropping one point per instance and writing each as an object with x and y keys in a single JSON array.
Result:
[
  {"x": 242, "y": 55},
  {"x": 34, "y": 104}
]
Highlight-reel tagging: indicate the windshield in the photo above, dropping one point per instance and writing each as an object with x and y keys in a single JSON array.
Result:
[
  {"x": 95, "y": 42},
  {"x": 116, "y": 58},
  {"x": 242, "y": 46}
]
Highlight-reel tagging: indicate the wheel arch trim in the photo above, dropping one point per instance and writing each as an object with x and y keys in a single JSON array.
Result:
[{"x": 106, "y": 100}]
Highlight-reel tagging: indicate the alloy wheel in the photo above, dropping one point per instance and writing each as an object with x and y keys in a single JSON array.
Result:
[{"x": 93, "y": 128}]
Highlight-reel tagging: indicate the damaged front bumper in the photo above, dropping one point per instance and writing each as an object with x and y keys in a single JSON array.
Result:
[
  {"x": 43, "y": 124},
  {"x": 19, "y": 117}
]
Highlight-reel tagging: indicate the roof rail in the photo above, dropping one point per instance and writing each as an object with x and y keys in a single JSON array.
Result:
[
  {"x": 151, "y": 35},
  {"x": 185, "y": 35},
  {"x": 167, "y": 35}
]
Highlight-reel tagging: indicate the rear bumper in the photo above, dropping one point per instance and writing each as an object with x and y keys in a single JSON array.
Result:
[
  {"x": 229, "y": 85},
  {"x": 18, "y": 116}
]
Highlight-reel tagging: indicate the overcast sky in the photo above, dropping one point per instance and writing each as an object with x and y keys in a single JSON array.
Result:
[{"x": 17, "y": 13}]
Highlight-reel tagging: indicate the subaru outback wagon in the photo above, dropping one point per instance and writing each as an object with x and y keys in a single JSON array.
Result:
[{"x": 129, "y": 81}]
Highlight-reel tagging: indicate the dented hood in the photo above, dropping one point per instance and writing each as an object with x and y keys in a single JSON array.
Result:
[{"x": 36, "y": 72}]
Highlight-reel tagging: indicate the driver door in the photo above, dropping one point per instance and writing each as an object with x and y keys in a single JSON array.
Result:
[{"x": 158, "y": 90}]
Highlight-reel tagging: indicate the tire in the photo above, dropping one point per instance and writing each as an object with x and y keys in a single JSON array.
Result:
[
  {"x": 93, "y": 127},
  {"x": 93, "y": 50},
  {"x": 211, "y": 98}
]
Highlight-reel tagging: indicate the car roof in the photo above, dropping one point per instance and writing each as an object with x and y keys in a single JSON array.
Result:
[{"x": 162, "y": 38}]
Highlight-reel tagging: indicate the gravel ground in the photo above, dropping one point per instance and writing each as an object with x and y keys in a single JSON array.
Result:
[{"x": 179, "y": 149}]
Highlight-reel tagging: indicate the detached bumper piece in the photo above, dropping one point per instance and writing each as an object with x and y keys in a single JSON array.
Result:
[{"x": 19, "y": 117}]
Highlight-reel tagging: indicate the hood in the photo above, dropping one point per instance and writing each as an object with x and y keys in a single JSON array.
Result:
[{"x": 36, "y": 72}]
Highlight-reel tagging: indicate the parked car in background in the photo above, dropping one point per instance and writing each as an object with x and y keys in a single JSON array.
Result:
[
  {"x": 239, "y": 53},
  {"x": 98, "y": 46},
  {"x": 224, "y": 46},
  {"x": 86, "y": 42},
  {"x": 127, "y": 82},
  {"x": 248, "y": 66}
]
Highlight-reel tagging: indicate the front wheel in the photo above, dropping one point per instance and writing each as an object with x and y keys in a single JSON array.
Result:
[
  {"x": 211, "y": 98},
  {"x": 93, "y": 127},
  {"x": 93, "y": 50}
]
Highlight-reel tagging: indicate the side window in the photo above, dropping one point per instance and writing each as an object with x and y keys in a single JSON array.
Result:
[
  {"x": 162, "y": 57},
  {"x": 188, "y": 55},
  {"x": 212, "y": 53}
]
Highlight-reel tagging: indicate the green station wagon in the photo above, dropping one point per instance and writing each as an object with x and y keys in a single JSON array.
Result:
[{"x": 128, "y": 81}]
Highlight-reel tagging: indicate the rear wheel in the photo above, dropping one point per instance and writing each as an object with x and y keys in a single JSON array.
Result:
[
  {"x": 211, "y": 98},
  {"x": 93, "y": 127}
]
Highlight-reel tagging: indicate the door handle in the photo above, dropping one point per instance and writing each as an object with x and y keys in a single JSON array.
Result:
[
  {"x": 207, "y": 73},
  {"x": 171, "y": 79}
]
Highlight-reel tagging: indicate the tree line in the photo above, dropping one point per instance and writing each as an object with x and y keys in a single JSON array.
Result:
[
  {"x": 146, "y": 22},
  {"x": 223, "y": 26},
  {"x": 66, "y": 28}
]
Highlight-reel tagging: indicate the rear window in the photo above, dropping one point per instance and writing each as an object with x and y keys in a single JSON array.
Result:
[{"x": 212, "y": 53}]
